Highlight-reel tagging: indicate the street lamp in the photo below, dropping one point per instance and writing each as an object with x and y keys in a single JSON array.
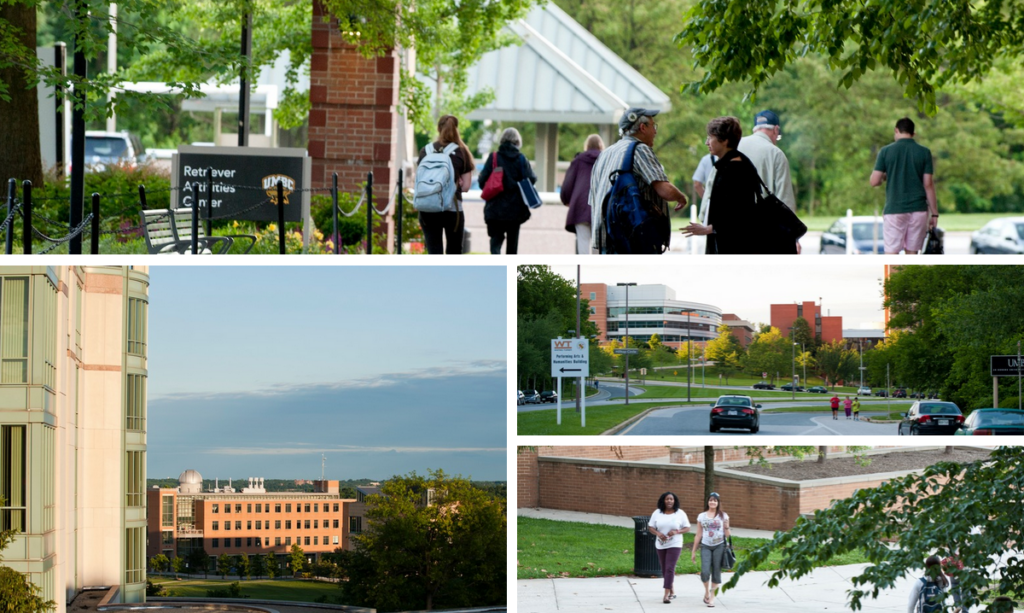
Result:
[
  {"x": 625, "y": 341},
  {"x": 793, "y": 380}
]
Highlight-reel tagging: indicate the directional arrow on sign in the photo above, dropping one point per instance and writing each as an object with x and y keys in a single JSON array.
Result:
[{"x": 570, "y": 369}]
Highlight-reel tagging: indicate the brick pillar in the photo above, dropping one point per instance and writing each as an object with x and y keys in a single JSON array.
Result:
[
  {"x": 353, "y": 124},
  {"x": 527, "y": 476}
]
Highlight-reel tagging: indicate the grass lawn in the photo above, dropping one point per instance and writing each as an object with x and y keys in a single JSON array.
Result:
[
  {"x": 547, "y": 548},
  {"x": 599, "y": 418},
  {"x": 298, "y": 591},
  {"x": 711, "y": 377},
  {"x": 670, "y": 391}
]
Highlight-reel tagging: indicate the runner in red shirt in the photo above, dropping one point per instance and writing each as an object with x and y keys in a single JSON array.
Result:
[{"x": 835, "y": 406}]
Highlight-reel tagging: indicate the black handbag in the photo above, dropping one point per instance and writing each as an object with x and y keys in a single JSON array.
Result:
[
  {"x": 784, "y": 228},
  {"x": 729, "y": 556}
]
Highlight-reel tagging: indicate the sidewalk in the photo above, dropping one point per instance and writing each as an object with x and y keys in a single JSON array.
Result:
[{"x": 822, "y": 590}]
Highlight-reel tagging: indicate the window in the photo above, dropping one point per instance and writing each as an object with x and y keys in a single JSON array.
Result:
[
  {"x": 335, "y": 539},
  {"x": 135, "y": 488},
  {"x": 316, "y": 540},
  {"x": 137, "y": 326},
  {"x": 227, "y": 508},
  {"x": 14, "y": 333},
  {"x": 135, "y": 555},
  {"x": 335, "y": 507},
  {"x": 335, "y": 523},
  {"x": 287, "y": 524},
  {"x": 248, "y": 541},
  {"x": 288, "y": 508},
  {"x": 259, "y": 525},
  {"x": 259, "y": 508},
  {"x": 167, "y": 511},
  {"x": 167, "y": 537},
  {"x": 316, "y": 507},
  {"x": 277, "y": 540},
  {"x": 215, "y": 508},
  {"x": 238, "y": 542},
  {"x": 238, "y": 508},
  {"x": 227, "y": 525},
  {"x": 248, "y": 525},
  {"x": 238, "y": 525},
  {"x": 277, "y": 524},
  {"x": 355, "y": 525},
  {"x": 216, "y": 543},
  {"x": 216, "y": 525},
  {"x": 307, "y": 540},
  {"x": 258, "y": 542},
  {"x": 135, "y": 396},
  {"x": 277, "y": 508},
  {"x": 315, "y": 522},
  {"x": 248, "y": 508},
  {"x": 593, "y": 295},
  {"x": 307, "y": 524},
  {"x": 593, "y": 310},
  {"x": 307, "y": 508},
  {"x": 288, "y": 540}
]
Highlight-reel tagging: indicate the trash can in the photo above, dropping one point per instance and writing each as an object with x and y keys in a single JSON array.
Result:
[{"x": 645, "y": 556}]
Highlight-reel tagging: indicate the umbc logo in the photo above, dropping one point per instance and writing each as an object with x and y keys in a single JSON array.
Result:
[{"x": 270, "y": 185}]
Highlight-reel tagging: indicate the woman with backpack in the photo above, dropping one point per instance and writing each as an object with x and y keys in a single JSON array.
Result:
[
  {"x": 505, "y": 211},
  {"x": 448, "y": 223},
  {"x": 576, "y": 192},
  {"x": 928, "y": 593}
]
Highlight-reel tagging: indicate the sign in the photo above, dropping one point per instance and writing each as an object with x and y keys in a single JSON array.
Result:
[
  {"x": 630, "y": 351},
  {"x": 643, "y": 371},
  {"x": 570, "y": 357},
  {"x": 764, "y": 375},
  {"x": 244, "y": 181},
  {"x": 1005, "y": 366}
]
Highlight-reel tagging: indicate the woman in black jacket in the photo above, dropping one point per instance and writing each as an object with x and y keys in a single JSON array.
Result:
[
  {"x": 737, "y": 222},
  {"x": 506, "y": 212}
]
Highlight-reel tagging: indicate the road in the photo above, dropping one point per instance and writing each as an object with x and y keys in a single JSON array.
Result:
[
  {"x": 608, "y": 393},
  {"x": 694, "y": 421}
]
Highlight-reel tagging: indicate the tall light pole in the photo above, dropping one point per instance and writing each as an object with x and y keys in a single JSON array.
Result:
[
  {"x": 625, "y": 341},
  {"x": 794, "y": 372},
  {"x": 803, "y": 357}
]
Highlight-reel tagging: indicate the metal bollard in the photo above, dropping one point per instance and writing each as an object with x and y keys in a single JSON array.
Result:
[
  {"x": 209, "y": 199},
  {"x": 12, "y": 186},
  {"x": 369, "y": 213},
  {"x": 94, "y": 239},
  {"x": 142, "y": 196},
  {"x": 195, "y": 219},
  {"x": 280, "y": 215},
  {"x": 26, "y": 206},
  {"x": 334, "y": 212},
  {"x": 399, "y": 212}
]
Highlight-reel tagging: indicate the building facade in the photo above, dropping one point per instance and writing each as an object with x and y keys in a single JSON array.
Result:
[
  {"x": 73, "y": 350},
  {"x": 828, "y": 328},
  {"x": 742, "y": 330},
  {"x": 223, "y": 520},
  {"x": 653, "y": 309}
]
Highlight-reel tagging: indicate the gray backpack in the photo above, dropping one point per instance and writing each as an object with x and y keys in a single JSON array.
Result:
[{"x": 435, "y": 181}]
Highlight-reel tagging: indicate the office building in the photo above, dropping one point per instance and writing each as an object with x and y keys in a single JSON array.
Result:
[
  {"x": 827, "y": 328},
  {"x": 73, "y": 348},
  {"x": 741, "y": 329},
  {"x": 653, "y": 309},
  {"x": 251, "y": 520}
]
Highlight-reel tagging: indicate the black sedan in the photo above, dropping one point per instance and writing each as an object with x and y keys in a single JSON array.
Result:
[
  {"x": 763, "y": 386},
  {"x": 549, "y": 396},
  {"x": 789, "y": 388},
  {"x": 993, "y": 422},
  {"x": 735, "y": 412},
  {"x": 927, "y": 417}
]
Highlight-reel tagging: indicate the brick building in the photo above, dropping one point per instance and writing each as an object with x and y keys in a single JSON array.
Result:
[
  {"x": 827, "y": 328},
  {"x": 741, "y": 329},
  {"x": 251, "y": 521}
]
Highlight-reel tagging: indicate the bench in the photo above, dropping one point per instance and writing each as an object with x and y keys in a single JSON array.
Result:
[{"x": 170, "y": 231}]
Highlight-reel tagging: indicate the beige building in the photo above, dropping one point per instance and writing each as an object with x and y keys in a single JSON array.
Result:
[{"x": 73, "y": 426}]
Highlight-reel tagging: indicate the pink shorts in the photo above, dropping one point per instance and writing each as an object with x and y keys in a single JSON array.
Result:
[{"x": 905, "y": 231}]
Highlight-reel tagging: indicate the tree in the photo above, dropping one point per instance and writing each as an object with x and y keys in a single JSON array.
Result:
[
  {"x": 979, "y": 504},
  {"x": 178, "y": 564},
  {"x": 20, "y": 155},
  {"x": 223, "y": 565},
  {"x": 769, "y": 352},
  {"x": 449, "y": 553},
  {"x": 802, "y": 334},
  {"x": 272, "y": 565},
  {"x": 243, "y": 566},
  {"x": 159, "y": 563},
  {"x": 836, "y": 363},
  {"x": 931, "y": 44},
  {"x": 539, "y": 291},
  {"x": 17, "y": 593},
  {"x": 709, "y": 471},
  {"x": 655, "y": 342},
  {"x": 298, "y": 558},
  {"x": 259, "y": 566},
  {"x": 198, "y": 560}
]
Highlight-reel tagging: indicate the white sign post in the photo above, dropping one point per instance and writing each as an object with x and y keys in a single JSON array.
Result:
[{"x": 570, "y": 357}]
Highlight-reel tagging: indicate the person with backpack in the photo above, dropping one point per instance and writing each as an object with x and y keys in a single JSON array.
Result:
[
  {"x": 633, "y": 219},
  {"x": 928, "y": 593},
  {"x": 505, "y": 211},
  {"x": 576, "y": 192},
  {"x": 444, "y": 170}
]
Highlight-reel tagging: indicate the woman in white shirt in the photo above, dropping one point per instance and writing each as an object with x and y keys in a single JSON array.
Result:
[
  {"x": 712, "y": 530},
  {"x": 667, "y": 524}
]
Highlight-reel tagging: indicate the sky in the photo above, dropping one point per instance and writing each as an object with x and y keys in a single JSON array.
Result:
[
  {"x": 254, "y": 371},
  {"x": 851, "y": 290}
]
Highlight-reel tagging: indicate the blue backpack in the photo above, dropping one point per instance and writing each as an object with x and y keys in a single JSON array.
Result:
[
  {"x": 631, "y": 225},
  {"x": 932, "y": 596}
]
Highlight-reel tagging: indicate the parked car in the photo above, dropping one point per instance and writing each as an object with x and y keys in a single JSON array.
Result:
[
  {"x": 522, "y": 398},
  {"x": 863, "y": 391},
  {"x": 1001, "y": 235},
  {"x": 883, "y": 393},
  {"x": 865, "y": 229},
  {"x": 789, "y": 388},
  {"x": 817, "y": 389},
  {"x": 763, "y": 386},
  {"x": 993, "y": 422},
  {"x": 531, "y": 397},
  {"x": 104, "y": 149},
  {"x": 549, "y": 396},
  {"x": 735, "y": 412},
  {"x": 899, "y": 393},
  {"x": 927, "y": 417}
]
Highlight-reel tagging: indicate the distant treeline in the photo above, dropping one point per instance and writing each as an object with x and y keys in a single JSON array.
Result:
[{"x": 495, "y": 489}]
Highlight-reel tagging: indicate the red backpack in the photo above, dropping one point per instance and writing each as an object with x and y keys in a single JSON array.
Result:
[{"x": 495, "y": 183}]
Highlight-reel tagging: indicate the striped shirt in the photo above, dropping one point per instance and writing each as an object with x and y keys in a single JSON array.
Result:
[{"x": 646, "y": 168}]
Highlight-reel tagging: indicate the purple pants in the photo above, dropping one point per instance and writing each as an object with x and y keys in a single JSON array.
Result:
[{"x": 668, "y": 558}]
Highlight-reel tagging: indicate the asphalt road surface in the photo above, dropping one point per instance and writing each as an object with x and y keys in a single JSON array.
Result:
[{"x": 695, "y": 421}]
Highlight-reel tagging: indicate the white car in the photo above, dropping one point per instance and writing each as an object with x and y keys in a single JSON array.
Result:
[
  {"x": 522, "y": 398},
  {"x": 863, "y": 391},
  {"x": 1002, "y": 235}
]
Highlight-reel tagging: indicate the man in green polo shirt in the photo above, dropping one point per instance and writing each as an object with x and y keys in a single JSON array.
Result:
[{"x": 910, "y": 205}]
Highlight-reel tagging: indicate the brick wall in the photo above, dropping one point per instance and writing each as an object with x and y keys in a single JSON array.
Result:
[
  {"x": 527, "y": 470},
  {"x": 353, "y": 126}
]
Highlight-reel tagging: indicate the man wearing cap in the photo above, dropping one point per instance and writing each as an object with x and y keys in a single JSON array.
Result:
[
  {"x": 771, "y": 163},
  {"x": 636, "y": 125},
  {"x": 910, "y": 205}
]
